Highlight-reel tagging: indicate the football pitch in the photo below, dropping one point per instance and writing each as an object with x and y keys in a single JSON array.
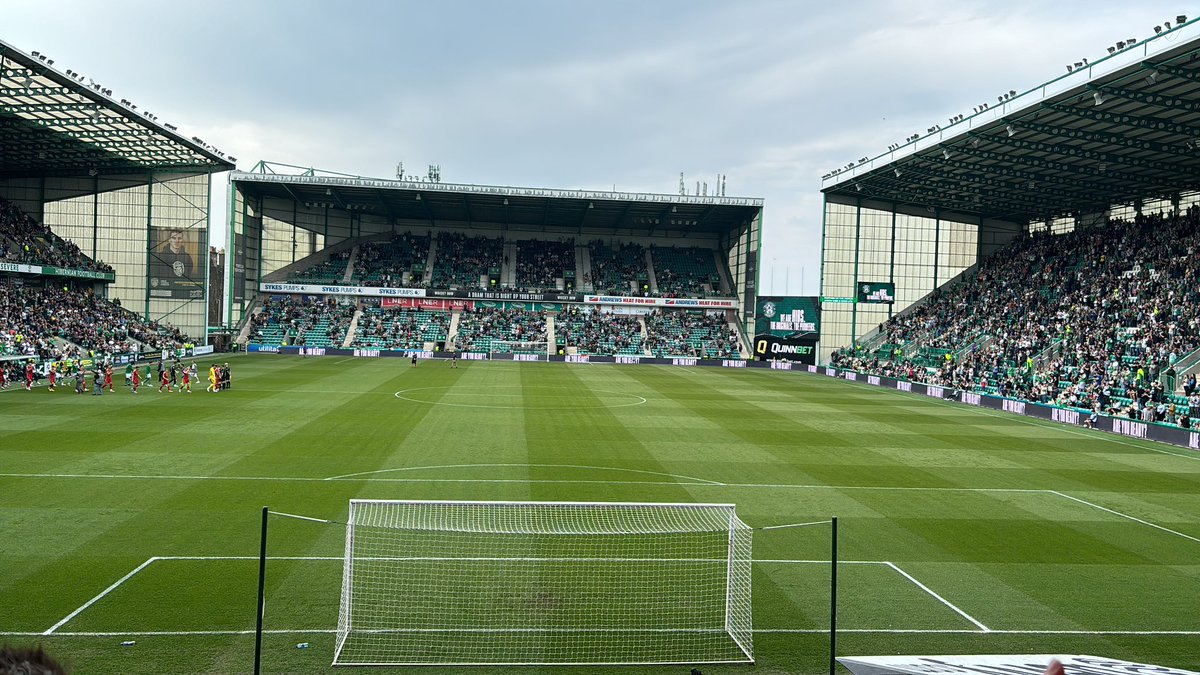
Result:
[{"x": 136, "y": 518}]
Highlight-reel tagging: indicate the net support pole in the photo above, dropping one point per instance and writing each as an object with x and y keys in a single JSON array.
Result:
[
  {"x": 833, "y": 565},
  {"x": 262, "y": 584}
]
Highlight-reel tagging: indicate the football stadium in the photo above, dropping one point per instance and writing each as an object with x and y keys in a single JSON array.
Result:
[{"x": 447, "y": 427}]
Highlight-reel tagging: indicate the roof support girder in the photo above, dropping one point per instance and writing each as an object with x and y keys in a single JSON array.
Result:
[
  {"x": 1141, "y": 122},
  {"x": 1118, "y": 140},
  {"x": 1157, "y": 100}
]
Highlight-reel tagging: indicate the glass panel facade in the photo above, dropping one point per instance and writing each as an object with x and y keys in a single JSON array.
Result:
[
  {"x": 120, "y": 220},
  {"x": 917, "y": 253}
]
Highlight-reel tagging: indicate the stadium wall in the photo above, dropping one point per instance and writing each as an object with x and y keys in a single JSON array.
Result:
[
  {"x": 119, "y": 220},
  {"x": 916, "y": 249}
]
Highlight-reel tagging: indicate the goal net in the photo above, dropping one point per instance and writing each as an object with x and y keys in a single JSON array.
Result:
[{"x": 531, "y": 583}]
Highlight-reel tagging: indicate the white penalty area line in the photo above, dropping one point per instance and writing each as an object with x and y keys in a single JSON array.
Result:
[
  {"x": 816, "y": 631},
  {"x": 1126, "y": 516},
  {"x": 89, "y": 603},
  {"x": 939, "y": 598}
]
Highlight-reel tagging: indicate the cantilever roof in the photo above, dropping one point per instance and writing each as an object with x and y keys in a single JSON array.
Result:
[
  {"x": 1124, "y": 128},
  {"x": 52, "y": 123},
  {"x": 523, "y": 207}
]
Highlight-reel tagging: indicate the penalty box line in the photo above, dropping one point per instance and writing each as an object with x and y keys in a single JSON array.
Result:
[{"x": 53, "y": 630}]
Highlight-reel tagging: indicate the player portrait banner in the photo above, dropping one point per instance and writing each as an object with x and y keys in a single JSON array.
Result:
[
  {"x": 176, "y": 264},
  {"x": 788, "y": 317},
  {"x": 876, "y": 292}
]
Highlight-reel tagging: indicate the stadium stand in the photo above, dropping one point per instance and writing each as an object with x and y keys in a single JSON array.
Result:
[
  {"x": 32, "y": 319},
  {"x": 461, "y": 260},
  {"x": 486, "y": 329},
  {"x": 542, "y": 264},
  {"x": 599, "y": 333},
  {"x": 615, "y": 271},
  {"x": 321, "y": 323},
  {"x": 330, "y": 271},
  {"x": 24, "y": 240},
  {"x": 400, "y": 328},
  {"x": 1097, "y": 318},
  {"x": 685, "y": 272},
  {"x": 398, "y": 262},
  {"x": 690, "y": 334}
]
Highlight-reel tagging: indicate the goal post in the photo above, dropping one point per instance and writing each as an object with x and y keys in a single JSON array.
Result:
[{"x": 544, "y": 583}]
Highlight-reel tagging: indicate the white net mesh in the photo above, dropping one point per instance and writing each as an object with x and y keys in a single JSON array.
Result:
[{"x": 544, "y": 583}]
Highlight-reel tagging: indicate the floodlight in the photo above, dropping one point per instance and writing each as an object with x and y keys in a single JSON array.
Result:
[
  {"x": 858, "y": 187},
  {"x": 1012, "y": 92},
  {"x": 897, "y": 171},
  {"x": 1157, "y": 30},
  {"x": 1120, "y": 44},
  {"x": 1012, "y": 131},
  {"x": 1167, "y": 25},
  {"x": 1112, "y": 50},
  {"x": 1099, "y": 97},
  {"x": 1182, "y": 18},
  {"x": 945, "y": 153},
  {"x": 1130, "y": 41},
  {"x": 1068, "y": 68}
]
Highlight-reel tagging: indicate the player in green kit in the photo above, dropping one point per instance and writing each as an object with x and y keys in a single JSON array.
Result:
[{"x": 129, "y": 374}]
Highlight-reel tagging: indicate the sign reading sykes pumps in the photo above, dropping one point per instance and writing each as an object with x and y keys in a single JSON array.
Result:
[
  {"x": 787, "y": 328},
  {"x": 878, "y": 292}
]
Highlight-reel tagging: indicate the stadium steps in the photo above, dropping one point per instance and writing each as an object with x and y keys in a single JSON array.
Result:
[
  {"x": 645, "y": 336},
  {"x": 551, "y": 340},
  {"x": 427, "y": 277},
  {"x": 723, "y": 274},
  {"x": 583, "y": 265},
  {"x": 452, "y": 332},
  {"x": 508, "y": 265},
  {"x": 650, "y": 272},
  {"x": 352, "y": 329},
  {"x": 349, "y": 275}
]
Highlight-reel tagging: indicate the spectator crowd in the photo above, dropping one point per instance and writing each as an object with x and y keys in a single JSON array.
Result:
[{"x": 1096, "y": 319}]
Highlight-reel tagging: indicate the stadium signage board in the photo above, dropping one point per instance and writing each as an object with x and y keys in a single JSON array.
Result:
[
  {"x": 496, "y": 296},
  {"x": 999, "y": 664},
  {"x": 772, "y": 348},
  {"x": 876, "y": 292},
  {"x": 1185, "y": 438},
  {"x": 787, "y": 328},
  {"x": 47, "y": 270},
  {"x": 320, "y": 289}
]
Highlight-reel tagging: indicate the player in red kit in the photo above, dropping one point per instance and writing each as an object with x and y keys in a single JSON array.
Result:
[
  {"x": 108, "y": 378},
  {"x": 137, "y": 380}
]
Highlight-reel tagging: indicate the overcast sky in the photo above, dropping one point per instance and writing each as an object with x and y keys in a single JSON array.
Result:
[{"x": 572, "y": 94}]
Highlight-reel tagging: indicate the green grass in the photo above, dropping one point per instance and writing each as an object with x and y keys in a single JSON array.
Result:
[{"x": 975, "y": 505}]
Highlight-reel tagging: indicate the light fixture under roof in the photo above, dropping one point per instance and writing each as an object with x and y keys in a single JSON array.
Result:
[{"x": 1099, "y": 97}]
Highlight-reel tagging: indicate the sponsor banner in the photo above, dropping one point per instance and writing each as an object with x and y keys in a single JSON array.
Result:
[
  {"x": 994, "y": 664},
  {"x": 332, "y": 289},
  {"x": 770, "y": 347},
  {"x": 268, "y": 349},
  {"x": 876, "y": 292},
  {"x": 472, "y": 356},
  {"x": 629, "y": 360},
  {"x": 1185, "y": 438},
  {"x": 505, "y": 295},
  {"x": 577, "y": 358},
  {"x": 50, "y": 271},
  {"x": 733, "y": 363},
  {"x": 684, "y": 362},
  {"x": 789, "y": 318},
  {"x": 781, "y": 365},
  {"x": 369, "y": 353},
  {"x": 201, "y": 351},
  {"x": 692, "y": 303},
  {"x": 425, "y": 303}
]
